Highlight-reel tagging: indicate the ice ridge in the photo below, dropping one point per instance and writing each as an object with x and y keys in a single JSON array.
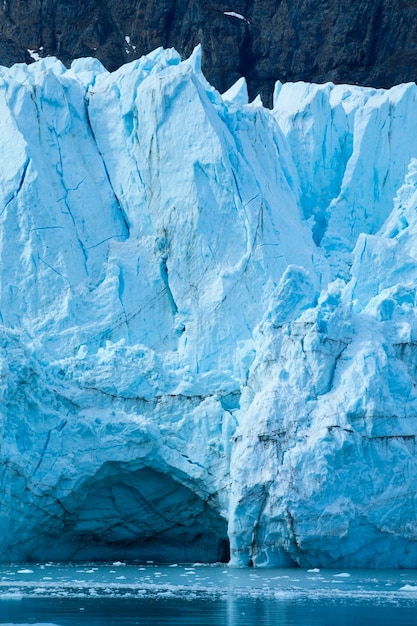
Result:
[{"x": 208, "y": 318}]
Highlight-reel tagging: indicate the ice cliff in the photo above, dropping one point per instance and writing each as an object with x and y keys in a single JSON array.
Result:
[{"x": 208, "y": 318}]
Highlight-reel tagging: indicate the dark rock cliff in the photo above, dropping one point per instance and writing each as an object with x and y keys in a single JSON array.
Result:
[{"x": 371, "y": 42}]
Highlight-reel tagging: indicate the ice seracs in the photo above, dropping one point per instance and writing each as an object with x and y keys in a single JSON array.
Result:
[{"x": 208, "y": 318}]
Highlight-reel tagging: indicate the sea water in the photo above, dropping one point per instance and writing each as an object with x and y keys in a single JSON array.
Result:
[{"x": 118, "y": 594}]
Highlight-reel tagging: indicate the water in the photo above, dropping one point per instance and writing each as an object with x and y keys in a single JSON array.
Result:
[{"x": 128, "y": 595}]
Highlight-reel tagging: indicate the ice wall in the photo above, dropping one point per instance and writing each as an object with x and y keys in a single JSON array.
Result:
[{"x": 208, "y": 318}]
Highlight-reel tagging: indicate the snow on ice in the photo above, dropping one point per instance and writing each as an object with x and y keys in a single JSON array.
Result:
[
  {"x": 208, "y": 318},
  {"x": 239, "y": 16}
]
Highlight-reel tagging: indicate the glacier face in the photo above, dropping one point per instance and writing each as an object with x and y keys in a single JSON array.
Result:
[{"x": 208, "y": 318}]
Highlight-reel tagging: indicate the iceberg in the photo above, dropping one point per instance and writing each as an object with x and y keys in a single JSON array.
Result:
[{"x": 208, "y": 318}]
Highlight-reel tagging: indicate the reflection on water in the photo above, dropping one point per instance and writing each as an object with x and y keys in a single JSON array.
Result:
[
  {"x": 200, "y": 612},
  {"x": 196, "y": 595}
]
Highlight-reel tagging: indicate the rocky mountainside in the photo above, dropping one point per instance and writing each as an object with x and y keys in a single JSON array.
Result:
[{"x": 370, "y": 43}]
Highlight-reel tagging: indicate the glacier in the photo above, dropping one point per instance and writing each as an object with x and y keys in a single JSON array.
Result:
[{"x": 208, "y": 318}]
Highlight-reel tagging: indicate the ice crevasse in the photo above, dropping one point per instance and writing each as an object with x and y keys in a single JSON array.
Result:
[{"x": 208, "y": 318}]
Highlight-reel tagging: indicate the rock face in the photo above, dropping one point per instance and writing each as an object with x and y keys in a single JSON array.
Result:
[
  {"x": 372, "y": 43},
  {"x": 208, "y": 318}
]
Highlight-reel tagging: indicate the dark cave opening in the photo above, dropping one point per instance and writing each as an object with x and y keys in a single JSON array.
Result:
[{"x": 138, "y": 516}]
